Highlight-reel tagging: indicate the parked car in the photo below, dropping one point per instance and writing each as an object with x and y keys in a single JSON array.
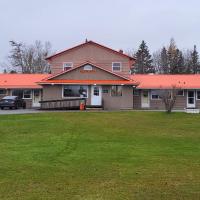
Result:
[{"x": 12, "y": 102}]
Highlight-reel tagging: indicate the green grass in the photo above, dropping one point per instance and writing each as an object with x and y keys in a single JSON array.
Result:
[{"x": 100, "y": 156}]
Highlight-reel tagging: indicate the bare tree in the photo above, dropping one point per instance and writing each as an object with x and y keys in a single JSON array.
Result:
[
  {"x": 30, "y": 58},
  {"x": 168, "y": 97}
]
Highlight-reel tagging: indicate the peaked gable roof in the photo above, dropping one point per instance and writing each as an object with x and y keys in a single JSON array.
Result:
[
  {"x": 93, "y": 43},
  {"x": 81, "y": 65}
]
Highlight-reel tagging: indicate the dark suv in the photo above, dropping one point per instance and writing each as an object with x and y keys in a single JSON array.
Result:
[{"x": 12, "y": 102}]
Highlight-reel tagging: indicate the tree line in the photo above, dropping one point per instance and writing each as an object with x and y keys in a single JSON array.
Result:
[
  {"x": 24, "y": 58},
  {"x": 167, "y": 60}
]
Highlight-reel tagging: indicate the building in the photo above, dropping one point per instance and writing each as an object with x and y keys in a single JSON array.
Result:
[{"x": 101, "y": 76}]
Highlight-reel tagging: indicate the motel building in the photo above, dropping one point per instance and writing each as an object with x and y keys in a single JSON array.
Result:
[{"x": 101, "y": 77}]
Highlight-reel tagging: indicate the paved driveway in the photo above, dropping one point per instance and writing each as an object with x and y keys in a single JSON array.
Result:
[{"x": 19, "y": 111}]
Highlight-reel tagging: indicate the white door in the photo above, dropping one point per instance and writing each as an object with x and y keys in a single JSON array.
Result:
[
  {"x": 145, "y": 98},
  {"x": 191, "y": 99},
  {"x": 36, "y": 98},
  {"x": 96, "y": 95}
]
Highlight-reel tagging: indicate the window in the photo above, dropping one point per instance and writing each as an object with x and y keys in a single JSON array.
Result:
[
  {"x": 75, "y": 91},
  {"x": 116, "y": 90},
  {"x": 198, "y": 94},
  {"x": 27, "y": 94},
  {"x": 135, "y": 92},
  {"x": 67, "y": 65},
  {"x": 87, "y": 68},
  {"x": 23, "y": 94},
  {"x": 2, "y": 91},
  {"x": 116, "y": 66},
  {"x": 18, "y": 93},
  {"x": 180, "y": 93},
  {"x": 155, "y": 94}
]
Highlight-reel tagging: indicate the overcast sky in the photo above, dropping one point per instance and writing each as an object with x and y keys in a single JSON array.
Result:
[{"x": 120, "y": 24}]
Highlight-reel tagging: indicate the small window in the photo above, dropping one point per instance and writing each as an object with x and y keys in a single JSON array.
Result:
[
  {"x": 116, "y": 91},
  {"x": 155, "y": 94},
  {"x": 198, "y": 94},
  {"x": 2, "y": 91},
  {"x": 105, "y": 91},
  {"x": 87, "y": 68},
  {"x": 67, "y": 65},
  {"x": 27, "y": 94},
  {"x": 180, "y": 93},
  {"x": 135, "y": 92},
  {"x": 116, "y": 66}
]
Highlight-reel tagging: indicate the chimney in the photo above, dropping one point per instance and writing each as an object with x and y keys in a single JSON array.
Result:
[
  {"x": 86, "y": 40},
  {"x": 121, "y": 51}
]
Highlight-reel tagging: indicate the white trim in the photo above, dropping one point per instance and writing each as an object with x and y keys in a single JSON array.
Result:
[
  {"x": 120, "y": 67},
  {"x": 147, "y": 105},
  {"x": 67, "y": 63}
]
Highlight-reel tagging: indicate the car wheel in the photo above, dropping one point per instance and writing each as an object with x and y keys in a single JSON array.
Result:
[{"x": 10, "y": 108}]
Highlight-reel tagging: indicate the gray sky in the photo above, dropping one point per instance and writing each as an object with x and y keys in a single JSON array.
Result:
[{"x": 114, "y": 23}]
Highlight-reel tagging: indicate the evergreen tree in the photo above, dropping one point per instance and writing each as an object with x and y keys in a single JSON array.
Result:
[
  {"x": 164, "y": 61},
  {"x": 143, "y": 63},
  {"x": 195, "y": 61}
]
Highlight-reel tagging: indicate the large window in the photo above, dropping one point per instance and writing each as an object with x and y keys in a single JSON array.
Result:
[
  {"x": 155, "y": 94},
  {"x": 75, "y": 91},
  {"x": 116, "y": 90},
  {"x": 23, "y": 94},
  {"x": 116, "y": 66}
]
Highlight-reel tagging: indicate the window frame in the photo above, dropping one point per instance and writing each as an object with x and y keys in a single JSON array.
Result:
[
  {"x": 89, "y": 69},
  {"x": 197, "y": 95},
  {"x": 136, "y": 95},
  {"x": 116, "y": 91},
  {"x": 154, "y": 98},
  {"x": 64, "y": 97},
  {"x": 67, "y": 63},
  {"x": 120, "y": 67},
  {"x": 2, "y": 89},
  {"x": 182, "y": 94},
  {"x": 30, "y": 94}
]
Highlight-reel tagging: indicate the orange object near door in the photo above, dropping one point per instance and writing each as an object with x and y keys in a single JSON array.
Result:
[{"x": 82, "y": 106}]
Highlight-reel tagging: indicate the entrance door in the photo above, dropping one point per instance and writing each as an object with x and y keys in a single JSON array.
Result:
[
  {"x": 36, "y": 98},
  {"x": 145, "y": 98},
  {"x": 96, "y": 95},
  {"x": 191, "y": 99}
]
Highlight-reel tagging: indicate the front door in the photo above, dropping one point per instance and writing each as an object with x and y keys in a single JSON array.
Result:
[
  {"x": 145, "y": 98},
  {"x": 191, "y": 99},
  {"x": 36, "y": 98},
  {"x": 96, "y": 95}
]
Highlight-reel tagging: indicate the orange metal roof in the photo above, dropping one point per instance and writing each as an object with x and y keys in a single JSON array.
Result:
[
  {"x": 29, "y": 81},
  {"x": 89, "y": 82},
  {"x": 155, "y": 81}
]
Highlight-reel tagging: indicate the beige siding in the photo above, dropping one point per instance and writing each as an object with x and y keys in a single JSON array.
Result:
[
  {"x": 80, "y": 74},
  {"x": 122, "y": 102},
  {"x": 92, "y": 53}
]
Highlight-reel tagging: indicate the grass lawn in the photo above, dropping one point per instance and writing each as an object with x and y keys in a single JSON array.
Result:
[{"x": 100, "y": 156}]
